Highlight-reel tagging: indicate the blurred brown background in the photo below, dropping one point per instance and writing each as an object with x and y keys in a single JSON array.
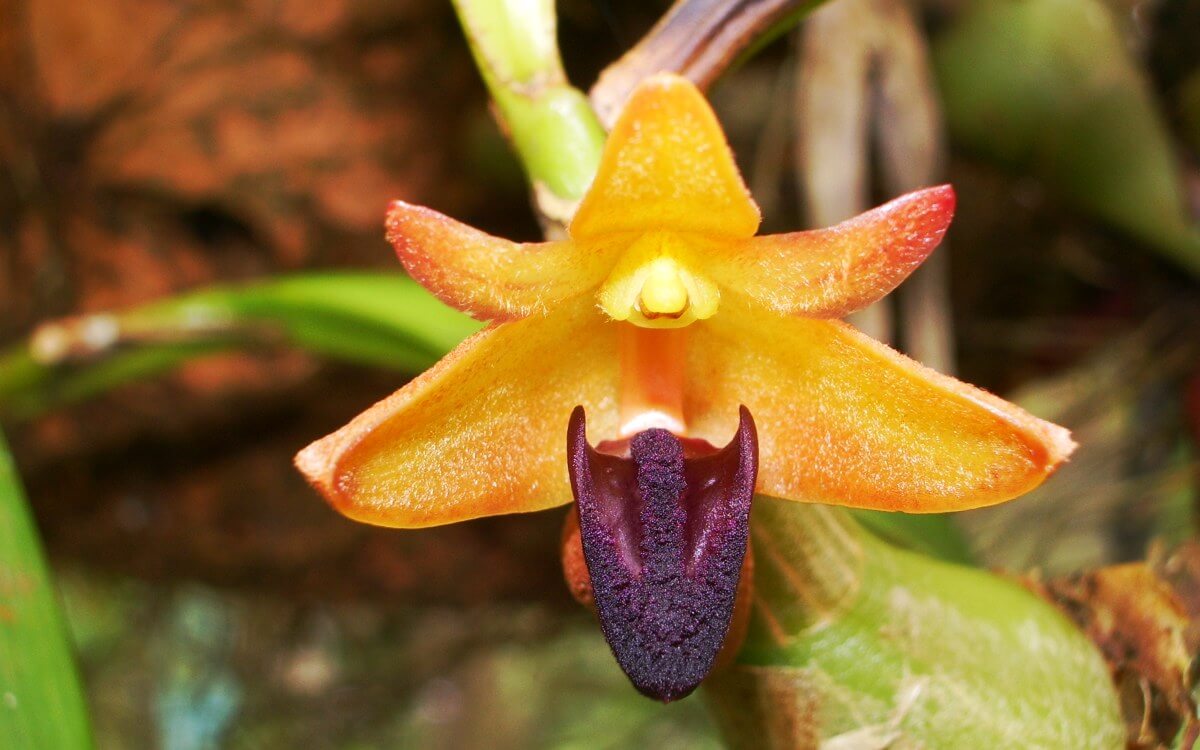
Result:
[{"x": 149, "y": 147}]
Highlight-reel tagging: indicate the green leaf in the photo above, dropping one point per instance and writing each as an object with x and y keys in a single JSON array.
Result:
[
  {"x": 932, "y": 534},
  {"x": 377, "y": 319},
  {"x": 1048, "y": 88},
  {"x": 41, "y": 703},
  {"x": 854, "y": 643}
]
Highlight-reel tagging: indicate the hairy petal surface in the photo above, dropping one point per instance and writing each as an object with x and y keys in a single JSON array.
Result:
[
  {"x": 489, "y": 277},
  {"x": 844, "y": 420},
  {"x": 666, "y": 166},
  {"x": 829, "y": 273},
  {"x": 478, "y": 434}
]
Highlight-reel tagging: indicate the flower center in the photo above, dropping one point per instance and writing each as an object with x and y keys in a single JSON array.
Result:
[
  {"x": 654, "y": 286},
  {"x": 652, "y": 379},
  {"x": 663, "y": 292}
]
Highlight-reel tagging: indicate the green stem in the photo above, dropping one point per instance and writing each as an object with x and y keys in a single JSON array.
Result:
[{"x": 551, "y": 124}]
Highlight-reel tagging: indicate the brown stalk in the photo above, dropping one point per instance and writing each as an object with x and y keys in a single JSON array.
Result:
[
  {"x": 698, "y": 39},
  {"x": 864, "y": 89}
]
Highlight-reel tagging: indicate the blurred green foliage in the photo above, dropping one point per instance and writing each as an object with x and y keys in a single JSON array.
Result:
[
  {"x": 933, "y": 534},
  {"x": 386, "y": 320},
  {"x": 1190, "y": 99},
  {"x": 855, "y": 641},
  {"x": 1048, "y": 87},
  {"x": 187, "y": 666}
]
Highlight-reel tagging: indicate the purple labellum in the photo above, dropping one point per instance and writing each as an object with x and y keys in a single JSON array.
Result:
[{"x": 664, "y": 523}]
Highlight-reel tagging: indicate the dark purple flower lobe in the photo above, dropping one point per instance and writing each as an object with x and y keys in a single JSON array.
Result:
[{"x": 664, "y": 523}]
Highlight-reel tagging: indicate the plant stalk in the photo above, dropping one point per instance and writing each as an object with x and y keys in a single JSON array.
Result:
[{"x": 550, "y": 123}]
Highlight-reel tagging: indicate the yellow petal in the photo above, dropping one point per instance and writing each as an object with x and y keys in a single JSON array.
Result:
[
  {"x": 666, "y": 166},
  {"x": 832, "y": 272},
  {"x": 481, "y": 433},
  {"x": 844, "y": 420},
  {"x": 489, "y": 277}
]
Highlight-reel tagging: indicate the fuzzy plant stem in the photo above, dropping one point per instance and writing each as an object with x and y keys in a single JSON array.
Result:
[{"x": 550, "y": 123}]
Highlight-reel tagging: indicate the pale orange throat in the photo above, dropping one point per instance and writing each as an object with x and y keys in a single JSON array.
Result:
[{"x": 653, "y": 361}]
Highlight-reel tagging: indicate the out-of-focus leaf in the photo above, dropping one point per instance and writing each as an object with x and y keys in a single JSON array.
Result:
[
  {"x": 199, "y": 693},
  {"x": 1047, "y": 87},
  {"x": 932, "y": 534},
  {"x": 378, "y": 319},
  {"x": 1190, "y": 106},
  {"x": 41, "y": 704},
  {"x": 875, "y": 647}
]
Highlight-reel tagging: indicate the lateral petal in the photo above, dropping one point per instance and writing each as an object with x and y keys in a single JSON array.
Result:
[
  {"x": 480, "y": 433},
  {"x": 488, "y": 277},
  {"x": 829, "y": 273},
  {"x": 844, "y": 420},
  {"x": 666, "y": 166}
]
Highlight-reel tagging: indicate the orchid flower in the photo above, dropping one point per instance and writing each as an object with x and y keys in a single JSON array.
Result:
[{"x": 660, "y": 328}]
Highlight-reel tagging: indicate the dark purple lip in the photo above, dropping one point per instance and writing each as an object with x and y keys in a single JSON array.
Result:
[{"x": 664, "y": 523}]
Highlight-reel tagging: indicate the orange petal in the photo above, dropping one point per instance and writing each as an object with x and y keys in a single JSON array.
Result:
[
  {"x": 666, "y": 166},
  {"x": 844, "y": 420},
  {"x": 489, "y": 277},
  {"x": 481, "y": 433},
  {"x": 832, "y": 272}
]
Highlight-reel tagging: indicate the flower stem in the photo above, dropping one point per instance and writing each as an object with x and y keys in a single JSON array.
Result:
[
  {"x": 550, "y": 123},
  {"x": 699, "y": 39}
]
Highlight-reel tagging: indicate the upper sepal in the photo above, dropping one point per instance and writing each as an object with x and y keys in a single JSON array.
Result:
[{"x": 666, "y": 166}]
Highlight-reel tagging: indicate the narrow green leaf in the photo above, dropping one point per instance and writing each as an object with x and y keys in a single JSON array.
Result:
[
  {"x": 385, "y": 320},
  {"x": 41, "y": 703}
]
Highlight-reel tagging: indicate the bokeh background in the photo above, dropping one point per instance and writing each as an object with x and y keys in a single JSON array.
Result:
[{"x": 149, "y": 148}]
